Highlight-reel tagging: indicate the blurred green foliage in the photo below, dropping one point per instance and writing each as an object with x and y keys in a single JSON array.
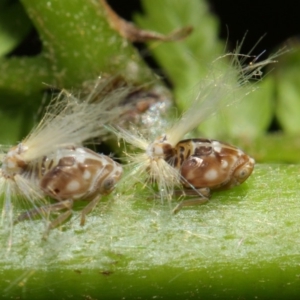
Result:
[
  {"x": 189, "y": 61},
  {"x": 77, "y": 45},
  {"x": 85, "y": 46}
]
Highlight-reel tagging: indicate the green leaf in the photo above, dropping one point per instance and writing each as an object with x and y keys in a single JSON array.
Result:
[
  {"x": 14, "y": 26},
  {"x": 185, "y": 62},
  {"x": 288, "y": 91},
  {"x": 80, "y": 44},
  {"x": 11, "y": 126},
  {"x": 189, "y": 62},
  {"x": 246, "y": 119},
  {"x": 22, "y": 78},
  {"x": 244, "y": 243},
  {"x": 274, "y": 147}
]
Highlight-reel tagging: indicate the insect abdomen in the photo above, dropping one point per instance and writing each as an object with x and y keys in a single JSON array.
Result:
[
  {"x": 81, "y": 173},
  {"x": 212, "y": 164},
  {"x": 74, "y": 173}
]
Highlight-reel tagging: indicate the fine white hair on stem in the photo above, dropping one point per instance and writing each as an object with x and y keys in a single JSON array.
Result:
[{"x": 226, "y": 83}]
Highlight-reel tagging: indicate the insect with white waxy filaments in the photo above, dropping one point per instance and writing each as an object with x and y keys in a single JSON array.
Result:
[
  {"x": 52, "y": 161},
  {"x": 199, "y": 166}
]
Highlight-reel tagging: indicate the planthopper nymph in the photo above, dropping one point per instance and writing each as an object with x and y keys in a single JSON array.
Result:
[
  {"x": 194, "y": 167},
  {"x": 68, "y": 174},
  {"x": 205, "y": 165},
  {"x": 52, "y": 161}
]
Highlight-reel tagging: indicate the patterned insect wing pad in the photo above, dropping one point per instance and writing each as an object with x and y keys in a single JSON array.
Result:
[{"x": 213, "y": 164}]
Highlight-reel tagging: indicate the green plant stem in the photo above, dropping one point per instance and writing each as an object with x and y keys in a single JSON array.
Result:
[
  {"x": 79, "y": 43},
  {"x": 244, "y": 243}
]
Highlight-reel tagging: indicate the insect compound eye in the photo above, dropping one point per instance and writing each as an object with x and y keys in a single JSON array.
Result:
[
  {"x": 108, "y": 184},
  {"x": 243, "y": 173}
]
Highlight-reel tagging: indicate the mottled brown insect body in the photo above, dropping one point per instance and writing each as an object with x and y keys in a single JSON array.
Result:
[
  {"x": 79, "y": 173},
  {"x": 203, "y": 165},
  {"x": 199, "y": 165},
  {"x": 68, "y": 174},
  {"x": 211, "y": 164}
]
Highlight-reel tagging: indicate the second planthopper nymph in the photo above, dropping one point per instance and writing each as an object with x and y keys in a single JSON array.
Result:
[
  {"x": 203, "y": 165},
  {"x": 212, "y": 164}
]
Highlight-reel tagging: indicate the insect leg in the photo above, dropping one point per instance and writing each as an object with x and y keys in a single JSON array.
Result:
[
  {"x": 202, "y": 192},
  {"x": 88, "y": 209},
  {"x": 44, "y": 210},
  {"x": 56, "y": 222},
  {"x": 203, "y": 195}
]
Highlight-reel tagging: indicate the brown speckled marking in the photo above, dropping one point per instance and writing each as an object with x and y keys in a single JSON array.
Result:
[
  {"x": 203, "y": 151},
  {"x": 203, "y": 165},
  {"x": 61, "y": 176},
  {"x": 211, "y": 164},
  {"x": 221, "y": 169},
  {"x": 206, "y": 165},
  {"x": 56, "y": 181}
]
